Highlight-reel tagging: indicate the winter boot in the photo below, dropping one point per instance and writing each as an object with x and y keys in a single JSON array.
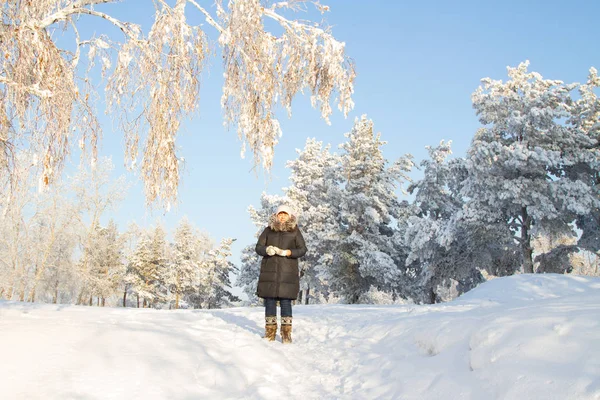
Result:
[
  {"x": 286, "y": 329},
  {"x": 270, "y": 328}
]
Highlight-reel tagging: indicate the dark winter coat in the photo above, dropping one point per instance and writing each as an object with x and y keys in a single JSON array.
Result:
[{"x": 279, "y": 275}]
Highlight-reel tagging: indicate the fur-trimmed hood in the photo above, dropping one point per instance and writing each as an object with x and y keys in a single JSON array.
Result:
[{"x": 277, "y": 226}]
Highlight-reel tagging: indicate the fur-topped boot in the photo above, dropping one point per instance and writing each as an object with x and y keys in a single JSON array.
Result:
[
  {"x": 270, "y": 328},
  {"x": 286, "y": 329}
]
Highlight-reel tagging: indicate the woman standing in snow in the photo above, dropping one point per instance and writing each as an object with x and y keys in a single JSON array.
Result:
[{"x": 280, "y": 244}]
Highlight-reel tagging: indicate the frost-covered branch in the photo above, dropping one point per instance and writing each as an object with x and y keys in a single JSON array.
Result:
[
  {"x": 208, "y": 17},
  {"x": 75, "y": 8},
  {"x": 152, "y": 79}
]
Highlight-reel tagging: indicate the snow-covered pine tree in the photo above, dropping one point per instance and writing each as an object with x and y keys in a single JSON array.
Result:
[
  {"x": 96, "y": 194},
  {"x": 129, "y": 280},
  {"x": 586, "y": 119},
  {"x": 147, "y": 268},
  {"x": 185, "y": 263},
  {"x": 316, "y": 194},
  {"x": 367, "y": 254},
  {"x": 525, "y": 163},
  {"x": 440, "y": 254},
  {"x": 249, "y": 271},
  {"x": 136, "y": 261},
  {"x": 115, "y": 265},
  {"x": 94, "y": 275},
  {"x": 219, "y": 283}
]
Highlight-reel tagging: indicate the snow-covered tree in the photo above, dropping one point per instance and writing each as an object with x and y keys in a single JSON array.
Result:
[
  {"x": 60, "y": 280},
  {"x": 14, "y": 227},
  {"x": 215, "y": 280},
  {"x": 40, "y": 228},
  {"x": 586, "y": 118},
  {"x": 130, "y": 239},
  {"x": 147, "y": 268},
  {"x": 447, "y": 250},
  {"x": 104, "y": 257},
  {"x": 184, "y": 266},
  {"x": 528, "y": 168},
  {"x": 249, "y": 271},
  {"x": 316, "y": 195},
  {"x": 152, "y": 78},
  {"x": 96, "y": 194},
  {"x": 431, "y": 235},
  {"x": 55, "y": 219},
  {"x": 367, "y": 253}
]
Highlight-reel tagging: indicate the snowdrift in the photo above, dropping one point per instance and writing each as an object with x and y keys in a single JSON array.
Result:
[{"x": 521, "y": 337}]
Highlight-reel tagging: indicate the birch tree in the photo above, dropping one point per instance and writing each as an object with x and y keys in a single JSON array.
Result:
[
  {"x": 14, "y": 227},
  {"x": 152, "y": 78},
  {"x": 55, "y": 217}
]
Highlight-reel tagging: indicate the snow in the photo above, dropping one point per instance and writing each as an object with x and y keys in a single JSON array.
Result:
[{"x": 520, "y": 337}]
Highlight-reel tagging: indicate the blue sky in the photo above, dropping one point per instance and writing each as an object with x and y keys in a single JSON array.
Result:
[{"x": 417, "y": 64}]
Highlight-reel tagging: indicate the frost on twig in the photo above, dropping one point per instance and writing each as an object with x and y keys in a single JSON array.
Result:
[{"x": 152, "y": 80}]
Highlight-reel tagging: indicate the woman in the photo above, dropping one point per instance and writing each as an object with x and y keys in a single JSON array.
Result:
[{"x": 280, "y": 244}]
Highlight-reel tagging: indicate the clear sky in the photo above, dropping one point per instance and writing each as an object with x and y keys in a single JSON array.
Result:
[{"x": 417, "y": 64}]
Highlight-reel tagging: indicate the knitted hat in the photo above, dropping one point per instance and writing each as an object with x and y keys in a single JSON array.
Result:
[{"x": 285, "y": 209}]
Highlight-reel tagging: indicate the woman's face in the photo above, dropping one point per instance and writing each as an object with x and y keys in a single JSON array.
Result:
[{"x": 283, "y": 217}]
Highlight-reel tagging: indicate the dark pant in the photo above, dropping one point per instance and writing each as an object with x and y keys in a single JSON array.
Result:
[{"x": 271, "y": 307}]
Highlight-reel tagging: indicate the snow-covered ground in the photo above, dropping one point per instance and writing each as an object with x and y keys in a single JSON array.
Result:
[{"x": 522, "y": 337}]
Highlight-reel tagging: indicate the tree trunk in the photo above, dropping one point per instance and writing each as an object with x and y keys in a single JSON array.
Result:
[
  {"x": 138, "y": 301},
  {"x": 300, "y": 296},
  {"x": 40, "y": 268},
  {"x": 177, "y": 290},
  {"x": 307, "y": 295},
  {"x": 13, "y": 284},
  {"x": 9, "y": 294},
  {"x": 432, "y": 296},
  {"x": 526, "y": 249},
  {"x": 55, "y": 294},
  {"x": 91, "y": 302},
  {"x": 124, "y": 298},
  {"x": 22, "y": 292}
]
